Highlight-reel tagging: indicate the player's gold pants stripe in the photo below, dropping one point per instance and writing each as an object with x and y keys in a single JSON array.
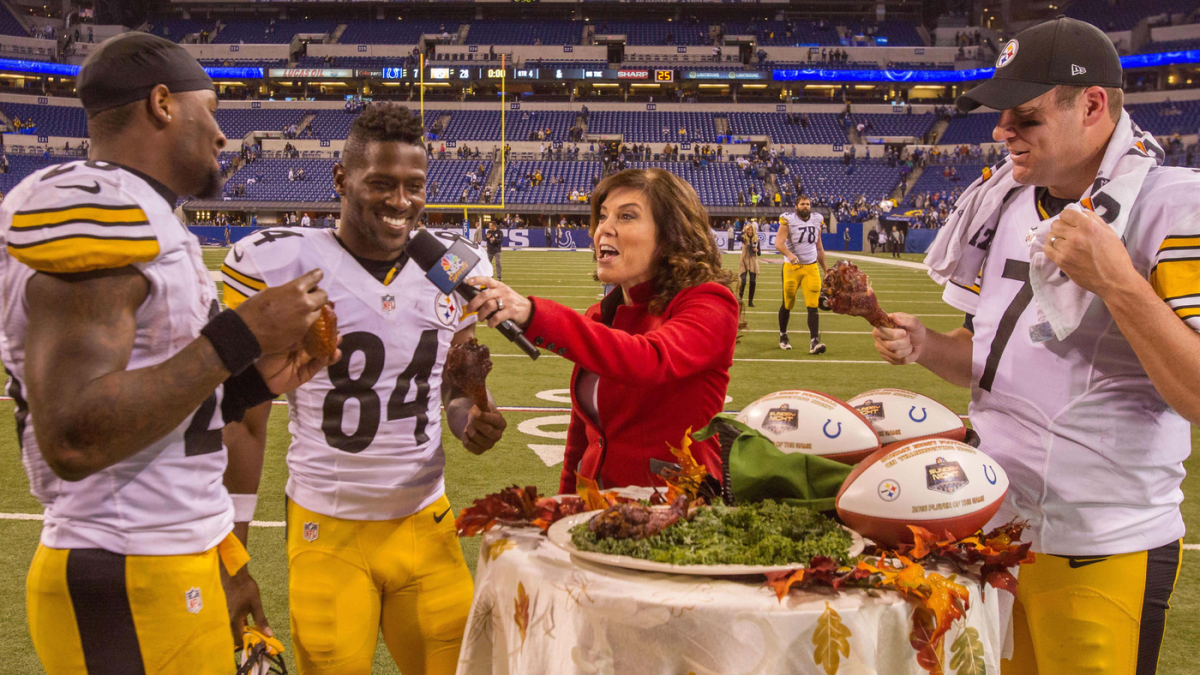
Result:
[
  {"x": 85, "y": 253},
  {"x": 124, "y": 215},
  {"x": 251, "y": 282},
  {"x": 1094, "y": 614},
  {"x": 95, "y": 612},
  {"x": 233, "y": 297},
  {"x": 350, "y": 580}
]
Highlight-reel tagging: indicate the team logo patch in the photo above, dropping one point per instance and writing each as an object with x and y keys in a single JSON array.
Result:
[
  {"x": 454, "y": 266},
  {"x": 945, "y": 476},
  {"x": 889, "y": 490},
  {"x": 1008, "y": 54},
  {"x": 311, "y": 531},
  {"x": 388, "y": 303},
  {"x": 195, "y": 603},
  {"x": 781, "y": 419},
  {"x": 444, "y": 307},
  {"x": 872, "y": 410}
]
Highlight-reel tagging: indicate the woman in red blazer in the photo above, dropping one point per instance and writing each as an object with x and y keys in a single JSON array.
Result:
[{"x": 652, "y": 358}]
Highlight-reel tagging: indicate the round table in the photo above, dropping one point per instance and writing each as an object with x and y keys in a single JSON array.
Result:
[{"x": 539, "y": 611}]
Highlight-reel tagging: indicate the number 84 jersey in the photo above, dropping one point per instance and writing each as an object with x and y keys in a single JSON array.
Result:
[{"x": 366, "y": 431}]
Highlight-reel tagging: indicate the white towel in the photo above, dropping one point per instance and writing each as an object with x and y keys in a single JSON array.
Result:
[{"x": 958, "y": 253}]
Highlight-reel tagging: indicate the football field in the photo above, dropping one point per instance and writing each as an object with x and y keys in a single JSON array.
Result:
[{"x": 531, "y": 451}]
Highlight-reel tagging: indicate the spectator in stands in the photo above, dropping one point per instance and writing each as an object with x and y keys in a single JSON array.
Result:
[
  {"x": 3, "y": 163},
  {"x": 292, "y": 175},
  {"x": 306, "y": 221},
  {"x": 897, "y": 242}
]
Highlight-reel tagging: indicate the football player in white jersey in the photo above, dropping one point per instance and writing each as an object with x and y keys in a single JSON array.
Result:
[
  {"x": 371, "y": 538},
  {"x": 1093, "y": 428},
  {"x": 799, "y": 240},
  {"x": 124, "y": 371}
]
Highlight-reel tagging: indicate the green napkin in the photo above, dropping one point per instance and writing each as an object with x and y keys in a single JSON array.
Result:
[{"x": 756, "y": 470}]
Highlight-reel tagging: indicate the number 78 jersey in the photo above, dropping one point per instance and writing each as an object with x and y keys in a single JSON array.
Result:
[{"x": 366, "y": 431}]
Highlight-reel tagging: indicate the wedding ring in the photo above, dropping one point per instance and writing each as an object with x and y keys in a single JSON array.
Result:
[
  {"x": 499, "y": 304},
  {"x": 1053, "y": 238}
]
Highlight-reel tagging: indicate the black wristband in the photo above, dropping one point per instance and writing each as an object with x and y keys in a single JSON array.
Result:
[
  {"x": 242, "y": 392},
  {"x": 233, "y": 341}
]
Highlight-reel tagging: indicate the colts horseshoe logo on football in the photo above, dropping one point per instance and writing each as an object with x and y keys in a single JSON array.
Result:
[
  {"x": 990, "y": 474},
  {"x": 911, "y": 416},
  {"x": 825, "y": 429}
]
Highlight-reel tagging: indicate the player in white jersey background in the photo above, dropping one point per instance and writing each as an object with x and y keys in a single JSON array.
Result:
[
  {"x": 371, "y": 538},
  {"x": 799, "y": 240},
  {"x": 124, "y": 372},
  {"x": 1093, "y": 427}
]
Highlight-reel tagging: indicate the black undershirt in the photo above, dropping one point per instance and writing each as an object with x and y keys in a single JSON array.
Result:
[{"x": 376, "y": 268}]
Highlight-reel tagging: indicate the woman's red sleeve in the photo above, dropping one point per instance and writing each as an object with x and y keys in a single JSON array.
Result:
[
  {"x": 698, "y": 337},
  {"x": 577, "y": 443}
]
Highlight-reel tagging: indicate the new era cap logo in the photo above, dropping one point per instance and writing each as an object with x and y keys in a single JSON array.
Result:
[
  {"x": 1077, "y": 70},
  {"x": 1007, "y": 54}
]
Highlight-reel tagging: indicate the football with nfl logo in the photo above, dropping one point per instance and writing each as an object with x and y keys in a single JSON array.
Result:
[
  {"x": 939, "y": 484},
  {"x": 901, "y": 416},
  {"x": 812, "y": 423}
]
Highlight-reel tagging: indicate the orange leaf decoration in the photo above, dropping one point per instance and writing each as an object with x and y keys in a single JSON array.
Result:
[
  {"x": 925, "y": 640},
  {"x": 782, "y": 582},
  {"x": 515, "y": 506},
  {"x": 521, "y": 615},
  {"x": 691, "y": 473},
  {"x": 589, "y": 493}
]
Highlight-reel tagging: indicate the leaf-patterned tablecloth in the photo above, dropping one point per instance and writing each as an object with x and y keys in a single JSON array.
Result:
[{"x": 537, "y": 611}]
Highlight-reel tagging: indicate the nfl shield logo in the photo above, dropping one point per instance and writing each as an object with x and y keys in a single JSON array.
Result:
[
  {"x": 310, "y": 531},
  {"x": 389, "y": 303},
  {"x": 194, "y": 602}
]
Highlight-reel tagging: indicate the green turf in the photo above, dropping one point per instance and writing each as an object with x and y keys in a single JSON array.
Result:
[{"x": 760, "y": 368}]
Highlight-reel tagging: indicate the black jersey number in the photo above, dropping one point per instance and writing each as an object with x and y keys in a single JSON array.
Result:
[
  {"x": 362, "y": 390},
  {"x": 198, "y": 439},
  {"x": 1017, "y": 271},
  {"x": 812, "y": 235}
]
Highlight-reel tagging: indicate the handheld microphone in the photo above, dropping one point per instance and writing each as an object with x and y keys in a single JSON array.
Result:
[{"x": 447, "y": 268}]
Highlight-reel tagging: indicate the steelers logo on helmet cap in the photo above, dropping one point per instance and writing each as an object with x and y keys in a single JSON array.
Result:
[{"x": 1008, "y": 54}]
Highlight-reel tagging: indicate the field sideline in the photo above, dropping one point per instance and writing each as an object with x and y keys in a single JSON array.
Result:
[{"x": 530, "y": 453}]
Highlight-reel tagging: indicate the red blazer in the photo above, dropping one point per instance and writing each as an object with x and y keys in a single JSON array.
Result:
[{"x": 658, "y": 375}]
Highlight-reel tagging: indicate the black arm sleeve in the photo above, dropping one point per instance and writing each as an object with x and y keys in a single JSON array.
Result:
[
  {"x": 969, "y": 322},
  {"x": 242, "y": 392}
]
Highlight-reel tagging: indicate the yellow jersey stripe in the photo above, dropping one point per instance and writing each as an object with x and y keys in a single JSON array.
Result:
[
  {"x": 1179, "y": 242},
  {"x": 67, "y": 255},
  {"x": 974, "y": 288},
  {"x": 233, "y": 297},
  {"x": 125, "y": 215},
  {"x": 387, "y": 281},
  {"x": 1175, "y": 278},
  {"x": 248, "y": 281},
  {"x": 1188, "y": 312}
]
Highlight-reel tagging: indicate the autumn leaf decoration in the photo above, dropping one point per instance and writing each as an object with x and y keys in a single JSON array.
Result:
[
  {"x": 967, "y": 654},
  {"x": 498, "y": 547},
  {"x": 831, "y": 641},
  {"x": 515, "y": 506},
  {"x": 521, "y": 613},
  {"x": 589, "y": 492},
  {"x": 691, "y": 473}
]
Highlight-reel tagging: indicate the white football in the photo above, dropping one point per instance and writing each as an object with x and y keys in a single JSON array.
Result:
[
  {"x": 941, "y": 485},
  {"x": 900, "y": 416},
  {"x": 812, "y": 423}
]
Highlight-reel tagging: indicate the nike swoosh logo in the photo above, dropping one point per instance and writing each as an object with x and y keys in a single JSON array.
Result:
[
  {"x": 437, "y": 518},
  {"x": 1076, "y": 563},
  {"x": 94, "y": 189},
  {"x": 237, "y": 256}
]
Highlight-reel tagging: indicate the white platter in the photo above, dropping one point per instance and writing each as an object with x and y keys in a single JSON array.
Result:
[{"x": 560, "y": 535}]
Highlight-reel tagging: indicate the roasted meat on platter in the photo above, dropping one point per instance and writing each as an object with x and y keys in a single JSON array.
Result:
[
  {"x": 467, "y": 367},
  {"x": 634, "y": 521},
  {"x": 321, "y": 339},
  {"x": 849, "y": 290}
]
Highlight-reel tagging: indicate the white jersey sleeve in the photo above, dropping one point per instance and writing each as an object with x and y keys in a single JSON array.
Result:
[{"x": 167, "y": 499}]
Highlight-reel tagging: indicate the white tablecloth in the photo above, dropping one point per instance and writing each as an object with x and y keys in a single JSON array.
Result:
[{"x": 538, "y": 611}]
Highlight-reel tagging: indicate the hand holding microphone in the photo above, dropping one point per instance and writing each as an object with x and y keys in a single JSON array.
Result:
[
  {"x": 497, "y": 302},
  {"x": 447, "y": 268}
]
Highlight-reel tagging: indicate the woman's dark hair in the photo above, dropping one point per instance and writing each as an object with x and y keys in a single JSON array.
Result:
[{"x": 688, "y": 253}]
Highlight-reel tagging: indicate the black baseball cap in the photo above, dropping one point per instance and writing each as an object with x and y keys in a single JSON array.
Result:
[{"x": 1061, "y": 51}]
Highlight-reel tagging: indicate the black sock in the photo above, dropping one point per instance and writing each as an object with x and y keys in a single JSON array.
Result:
[
  {"x": 753, "y": 280},
  {"x": 742, "y": 288},
  {"x": 814, "y": 323},
  {"x": 784, "y": 315}
]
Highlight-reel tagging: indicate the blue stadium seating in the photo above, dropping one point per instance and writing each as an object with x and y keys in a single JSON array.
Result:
[
  {"x": 1164, "y": 119},
  {"x": 451, "y": 177},
  {"x": 484, "y": 125},
  {"x": 335, "y": 124},
  {"x": 883, "y": 124},
  {"x": 177, "y": 29},
  {"x": 243, "y": 63},
  {"x": 932, "y": 180},
  {"x": 655, "y": 33},
  {"x": 236, "y": 123},
  {"x": 407, "y": 32},
  {"x": 823, "y": 128},
  {"x": 1125, "y": 15},
  {"x": 972, "y": 129},
  {"x": 553, "y": 65},
  {"x": 318, "y": 186},
  {"x": 9, "y": 25},
  {"x": 524, "y": 32},
  {"x": 647, "y": 127},
  {"x": 20, "y": 166},
  {"x": 51, "y": 120},
  {"x": 774, "y": 33},
  {"x": 576, "y": 176},
  {"x": 898, "y": 33},
  {"x": 829, "y": 178},
  {"x": 255, "y": 32},
  {"x": 360, "y": 62}
]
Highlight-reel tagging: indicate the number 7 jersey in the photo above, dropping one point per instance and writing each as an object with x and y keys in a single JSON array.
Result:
[{"x": 366, "y": 431}]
